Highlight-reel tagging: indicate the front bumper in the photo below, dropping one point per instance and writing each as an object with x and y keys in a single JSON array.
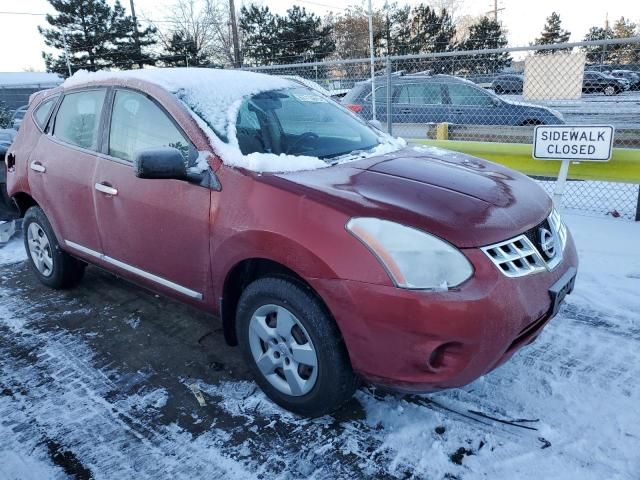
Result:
[{"x": 425, "y": 341}]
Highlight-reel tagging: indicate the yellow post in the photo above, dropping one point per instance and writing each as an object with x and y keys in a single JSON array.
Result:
[{"x": 442, "y": 131}]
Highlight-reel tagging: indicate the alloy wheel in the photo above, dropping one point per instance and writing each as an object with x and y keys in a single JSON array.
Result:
[
  {"x": 40, "y": 249},
  {"x": 283, "y": 350},
  {"x": 609, "y": 90}
]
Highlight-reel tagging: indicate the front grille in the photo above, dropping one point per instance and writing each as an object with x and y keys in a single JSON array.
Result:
[{"x": 525, "y": 254}]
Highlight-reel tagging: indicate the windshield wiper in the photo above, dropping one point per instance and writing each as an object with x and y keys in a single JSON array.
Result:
[{"x": 352, "y": 155}]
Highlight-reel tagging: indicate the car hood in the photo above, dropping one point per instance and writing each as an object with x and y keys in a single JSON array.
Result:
[{"x": 468, "y": 201}]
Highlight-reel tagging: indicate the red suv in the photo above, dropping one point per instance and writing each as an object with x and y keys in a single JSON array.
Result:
[{"x": 331, "y": 251}]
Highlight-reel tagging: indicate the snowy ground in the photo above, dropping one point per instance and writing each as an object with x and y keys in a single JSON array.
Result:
[{"x": 97, "y": 382}]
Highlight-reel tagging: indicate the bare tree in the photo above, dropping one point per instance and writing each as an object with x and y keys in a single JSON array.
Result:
[{"x": 204, "y": 25}]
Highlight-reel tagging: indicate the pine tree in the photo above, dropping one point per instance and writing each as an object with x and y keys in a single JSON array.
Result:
[
  {"x": 131, "y": 42},
  {"x": 485, "y": 34},
  {"x": 598, "y": 53},
  {"x": 259, "y": 35},
  {"x": 400, "y": 31},
  {"x": 97, "y": 36},
  {"x": 431, "y": 32},
  {"x": 182, "y": 51},
  {"x": 625, "y": 53},
  {"x": 302, "y": 37},
  {"x": 552, "y": 33}
]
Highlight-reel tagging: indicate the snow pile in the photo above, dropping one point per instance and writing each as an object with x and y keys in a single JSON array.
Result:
[
  {"x": 214, "y": 98},
  {"x": 13, "y": 251},
  {"x": 609, "y": 272}
]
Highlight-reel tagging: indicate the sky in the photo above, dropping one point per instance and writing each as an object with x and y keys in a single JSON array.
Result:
[{"x": 22, "y": 44}]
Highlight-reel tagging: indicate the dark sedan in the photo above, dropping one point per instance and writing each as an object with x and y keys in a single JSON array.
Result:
[
  {"x": 597, "y": 82},
  {"x": 632, "y": 77},
  {"x": 511, "y": 83}
]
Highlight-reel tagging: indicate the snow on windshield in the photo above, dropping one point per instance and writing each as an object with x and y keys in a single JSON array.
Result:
[{"x": 214, "y": 97}]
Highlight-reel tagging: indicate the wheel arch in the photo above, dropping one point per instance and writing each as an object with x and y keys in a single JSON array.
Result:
[
  {"x": 24, "y": 201},
  {"x": 241, "y": 275}
]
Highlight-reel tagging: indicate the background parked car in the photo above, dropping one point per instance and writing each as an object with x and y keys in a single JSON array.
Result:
[
  {"x": 444, "y": 98},
  {"x": 7, "y": 210},
  {"x": 512, "y": 83},
  {"x": 632, "y": 77},
  {"x": 597, "y": 82},
  {"x": 6, "y": 139},
  {"x": 18, "y": 115}
]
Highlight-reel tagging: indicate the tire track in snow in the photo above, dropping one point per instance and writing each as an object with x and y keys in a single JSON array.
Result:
[{"x": 65, "y": 397}]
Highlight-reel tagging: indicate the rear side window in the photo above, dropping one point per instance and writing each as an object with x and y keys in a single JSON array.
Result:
[
  {"x": 78, "y": 118},
  {"x": 137, "y": 123},
  {"x": 461, "y": 94},
  {"x": 381, "y": 94},
  {"x": 419, "y": 94},
  {"x": 42, "y": 112}
]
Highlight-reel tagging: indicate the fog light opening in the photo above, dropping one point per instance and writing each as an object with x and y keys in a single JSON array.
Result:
[{"x": 439, "y": 356}]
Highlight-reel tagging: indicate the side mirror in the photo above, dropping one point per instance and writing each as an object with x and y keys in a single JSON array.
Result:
[{"x": 162, "y": 162}]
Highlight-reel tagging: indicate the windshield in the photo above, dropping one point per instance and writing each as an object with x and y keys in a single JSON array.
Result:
[{"x": 299, "y": 121}]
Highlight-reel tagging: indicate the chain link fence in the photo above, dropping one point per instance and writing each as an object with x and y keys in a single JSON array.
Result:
[{"x": 498, "y": 96}]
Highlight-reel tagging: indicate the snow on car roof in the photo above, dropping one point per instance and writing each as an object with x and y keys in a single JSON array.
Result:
[
  {"x": 214, "y": 96},
  {"x": 208, "y": 91}
]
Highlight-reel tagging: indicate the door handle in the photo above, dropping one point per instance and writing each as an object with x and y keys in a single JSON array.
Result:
[
  {"x": 37, "y": 167},
  {"x": 108, "y": 189}
]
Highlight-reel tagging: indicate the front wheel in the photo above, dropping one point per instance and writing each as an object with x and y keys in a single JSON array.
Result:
[
  {"x": 293, "y": 347},
  {"x": 610, "y": 90},
  {"x": 52, "y": 266}
]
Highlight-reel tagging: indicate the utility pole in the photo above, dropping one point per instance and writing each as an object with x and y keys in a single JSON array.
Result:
[
  {"x": 372, "y": 61},
  {"x": 603, "y": 57},
  {"x": 234, "y": 35},
  {"x": 66, "y": 51},
  {"x": 136, "y": 34},
  {"x": 494, "y": 11}
]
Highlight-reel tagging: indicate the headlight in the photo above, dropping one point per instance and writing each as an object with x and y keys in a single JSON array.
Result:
[
  {"x": 413, "y": 259},
  {"x": 557, "y": 114}
]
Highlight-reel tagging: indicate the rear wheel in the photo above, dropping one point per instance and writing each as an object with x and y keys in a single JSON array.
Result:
[
  {"x": 293, "y": 347},
  {"x": 52, "y": 266}
]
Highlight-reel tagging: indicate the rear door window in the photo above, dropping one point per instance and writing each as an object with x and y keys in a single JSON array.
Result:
[
  {"x": 137, "y": 123},
  {"x": 381, "y": 94},
  {"x": 461, "y": 94},
  {"x": 42, "y": 112},
  {"x": 78, "y": 118},
  {"x": 419, "y": 94}
]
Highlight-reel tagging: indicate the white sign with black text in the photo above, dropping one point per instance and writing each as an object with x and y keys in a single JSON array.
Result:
[{"x": 588, "y": 143}]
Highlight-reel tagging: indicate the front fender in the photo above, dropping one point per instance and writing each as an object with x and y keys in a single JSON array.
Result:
[{"x": 250, "y": 244}]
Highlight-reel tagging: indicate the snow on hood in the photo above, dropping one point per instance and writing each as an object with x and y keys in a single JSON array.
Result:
[{"x": 213, "y": 97}]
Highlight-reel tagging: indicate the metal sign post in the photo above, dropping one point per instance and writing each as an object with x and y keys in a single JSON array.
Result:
[
  {"x": 561, "y": 182},
  {"x": 571, "y": 143}
]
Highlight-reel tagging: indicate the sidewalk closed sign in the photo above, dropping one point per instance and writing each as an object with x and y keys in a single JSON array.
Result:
[{"x": 573, "y": 142}]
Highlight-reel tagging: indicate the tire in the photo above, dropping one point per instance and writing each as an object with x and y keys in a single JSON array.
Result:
[
  {"x": 498, "y": 90},
  {"x": 53, "y": 267},
  {"x": 610, "y": 90},
  {"x": 528, "y": 123},
  {"x": 274, "y": 308}
]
